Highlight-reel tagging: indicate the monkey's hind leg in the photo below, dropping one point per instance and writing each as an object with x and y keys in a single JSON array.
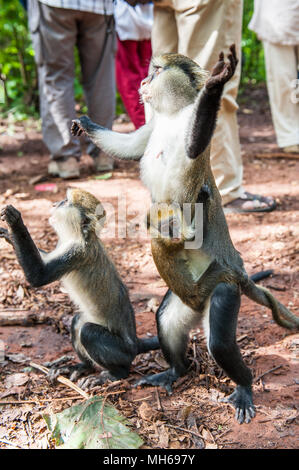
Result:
[
  {"x": 109, "y": 351},
  {"x": 223, "y": 315},
  {"x": 173, "y": 321}
]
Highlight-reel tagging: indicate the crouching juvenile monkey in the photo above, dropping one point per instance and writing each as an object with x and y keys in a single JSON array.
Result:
[
  {"x": 205, "y": 284},
  {"x": 104, "y": 331}
]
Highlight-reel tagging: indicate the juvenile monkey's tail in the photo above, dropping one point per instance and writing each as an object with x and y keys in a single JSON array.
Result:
[
  {"x": 263, "y": 296},
  {"x": 147, "y": 344}
]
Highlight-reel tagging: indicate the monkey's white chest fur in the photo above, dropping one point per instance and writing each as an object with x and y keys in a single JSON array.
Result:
[
  {"x": 89, "y": 309},
  {"x": 165, "y": 158}
]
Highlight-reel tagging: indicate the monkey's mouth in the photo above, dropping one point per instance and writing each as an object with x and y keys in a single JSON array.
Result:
[{"x": 145, "y": 94}]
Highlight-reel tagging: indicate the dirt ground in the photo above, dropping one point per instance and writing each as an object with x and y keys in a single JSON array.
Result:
[{"x": 34, "y": 323}]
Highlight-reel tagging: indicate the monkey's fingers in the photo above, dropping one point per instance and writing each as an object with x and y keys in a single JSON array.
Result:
[
  {"x": 217, "y": 69},
  {"x": 76, "y": 128},
  {"x": 232, "y": 57},
  {"x": 4, "y": 233},
  {"x": 10, "y": 215},
  {"x": 232, "y": 48},
  {"x": 223, "y": 71}
]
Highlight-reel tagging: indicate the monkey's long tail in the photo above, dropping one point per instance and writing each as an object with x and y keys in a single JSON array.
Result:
[
  {"x": 147, "y": 344},
  {"x": 261, "y": 275},
  {"x": 263, "y": 296}
]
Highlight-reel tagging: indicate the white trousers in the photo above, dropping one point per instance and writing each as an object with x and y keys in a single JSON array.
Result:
[{"x": 282, "y": 78}]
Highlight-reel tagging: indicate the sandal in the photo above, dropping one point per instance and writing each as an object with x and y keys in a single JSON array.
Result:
[{"x": 248, "y": 203}]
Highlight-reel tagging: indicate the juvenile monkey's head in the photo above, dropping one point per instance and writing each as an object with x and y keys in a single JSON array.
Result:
[
  {"x": 78, "y": 215},
  {"x": 173, "y": 82},
  {"x": 167, "y": 223}
]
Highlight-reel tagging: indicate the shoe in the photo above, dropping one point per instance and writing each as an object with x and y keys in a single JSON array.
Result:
[
  {"x": 249, "y": 203},
  {"x": 291, "y": 149},
  {"x": 103, "y": 162},
  {"x": 65, "y": 169},
  {"x": 53, "y": 168}
]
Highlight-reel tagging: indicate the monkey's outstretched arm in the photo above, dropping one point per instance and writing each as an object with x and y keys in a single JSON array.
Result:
[
  {"x": 203, "y": 120},
  {"x": 119, "y": 145},
  {"x": 38, "y": 272}
]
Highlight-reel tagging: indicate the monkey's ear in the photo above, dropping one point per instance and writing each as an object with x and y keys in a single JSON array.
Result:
[
  {"x": 101, "y": 218},
  {"x": 102, "y": 215},
  {"x": 85, "y": 225}
]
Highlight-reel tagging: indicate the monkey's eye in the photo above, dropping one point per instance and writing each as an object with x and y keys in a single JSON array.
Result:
[
  {"x": 158, "y": 69},
  {"x": 59, "y": 204}
]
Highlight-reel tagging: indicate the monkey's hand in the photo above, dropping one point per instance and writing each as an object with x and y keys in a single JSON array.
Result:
[
  {"x": 76, "y": 128},
  {"x": 4, "y": 233},
  {"x": 11, "y": 216},
  {"x": 84, "y": 125},
  {"x": 222, "y": 71}
]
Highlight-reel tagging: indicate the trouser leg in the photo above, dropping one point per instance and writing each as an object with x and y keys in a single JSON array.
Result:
[
  {"x": 282, "y": 69},
  {"x": 129, "y": 74},
  {"x": 132, "y": 63},
  {"x": 96, "y": 33},
  {"x": 164, "y": 32},
  {"x": 57, "y": 37},
  {"x": 97, "y": 47}
]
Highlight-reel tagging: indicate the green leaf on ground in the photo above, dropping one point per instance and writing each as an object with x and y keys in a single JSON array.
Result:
[
  {"x": 105, "y": 176},
  {"x": 92, "y": 425}
]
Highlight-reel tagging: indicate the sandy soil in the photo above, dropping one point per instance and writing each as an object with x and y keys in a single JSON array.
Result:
[{"x": 192, "y": 417}]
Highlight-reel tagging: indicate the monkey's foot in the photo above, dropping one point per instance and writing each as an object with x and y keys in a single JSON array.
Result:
[
  {"x": 92, "y": 381},
  {"x": 74, "y": 372},
  {"x": 241, "y": 399},
  {"x": 163, "y": 379}
]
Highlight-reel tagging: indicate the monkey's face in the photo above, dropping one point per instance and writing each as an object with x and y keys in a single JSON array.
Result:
[
  {"x": 77, "y": 215},
  {"x": 167, "y": 223},
  {"x": 173, "y": 83},
  {"x": 65, "y": 218}
]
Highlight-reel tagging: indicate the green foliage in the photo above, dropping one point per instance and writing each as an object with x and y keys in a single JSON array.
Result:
[
  {"x": 17, "y": 66},
  {"x": 253, "y": 66},
  {"x": 92, "y": 424}
]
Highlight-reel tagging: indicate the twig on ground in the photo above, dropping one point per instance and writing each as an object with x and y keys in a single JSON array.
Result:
[
  {"x": 267, "y": 372},
  {"x": 4, "y": 441},
  {"x": 184, "y": 429},
  {"x": 292, "y": 156},
  {"x": 40, "y": 400},
  {"x": 159, "y": 404},
  {"x": 61, "y": 379},
  {"x": 9, "y": 317}
]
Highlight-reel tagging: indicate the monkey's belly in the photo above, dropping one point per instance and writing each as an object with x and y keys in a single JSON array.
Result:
[
  {"x": 198, "y": 262},
  {"x": 182, "y": 271}
]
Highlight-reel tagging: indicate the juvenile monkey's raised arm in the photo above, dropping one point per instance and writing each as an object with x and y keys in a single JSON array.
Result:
[
  {"x": 203, "y": 120},
  {"x": 37, "y": 271},
  {"x": 116, "y": 144}
]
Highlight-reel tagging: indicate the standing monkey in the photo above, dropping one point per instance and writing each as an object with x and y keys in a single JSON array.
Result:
[
  {"x": 205, "y": 284},
  {"x": 104, "y": 331}
]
